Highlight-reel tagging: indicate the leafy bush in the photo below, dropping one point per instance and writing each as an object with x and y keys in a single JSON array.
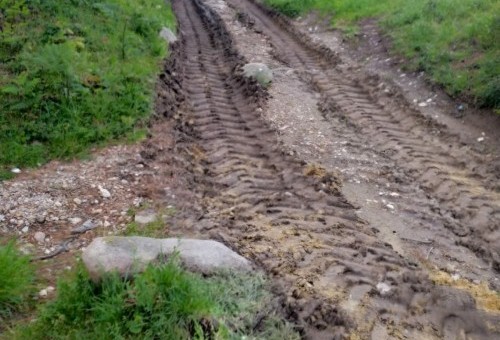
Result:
[
  {"x": 164, "y": 302},
  {"x": 75, "y": 74},
  {"x": 16, "y": 279}
]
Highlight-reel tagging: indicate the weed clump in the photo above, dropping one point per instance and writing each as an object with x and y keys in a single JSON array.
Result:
[
  {"x": 16, "y": 279},
  {"x": 164, "y": 302}
]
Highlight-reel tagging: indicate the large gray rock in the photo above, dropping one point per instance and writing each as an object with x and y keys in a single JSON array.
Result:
[
  {"x": 168, "y": 35},
  {"x": 128, "y": 255},
  {"x": 260, "y": 72}
]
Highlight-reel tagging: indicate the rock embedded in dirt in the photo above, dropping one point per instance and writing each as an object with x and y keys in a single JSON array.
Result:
[
  {"x": 127, "y": 255},
  {"x": 145, "y": 216},
  {"x": 104, "y": 192},
  {"x": 74, "y": 220},
  {"x": 88, "y": 225},
  {"x": 260, "y": 72},
  {"x": 39, "y": 237},
  {"x": 168, "y": 35}
]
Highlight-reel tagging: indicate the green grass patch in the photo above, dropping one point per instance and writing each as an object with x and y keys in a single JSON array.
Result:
[
  {"x": 154, "y": 229},
  {"x": 164, "y": 302},
  {"x": 16, "y": 280},
  {"x": 76, "y": 74},
  {"x": 457, "y": 42}
]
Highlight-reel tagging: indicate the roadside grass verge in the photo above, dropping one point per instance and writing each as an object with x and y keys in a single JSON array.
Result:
[
  {"x": 75, "y": 74},
  {"x": 456, "y": 42},
  {"x": 164, "y": 302},
  {"x": 16, "y": 281}
]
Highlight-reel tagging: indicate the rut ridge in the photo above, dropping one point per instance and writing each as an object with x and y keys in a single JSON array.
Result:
[{"x": 289, "y": 218}]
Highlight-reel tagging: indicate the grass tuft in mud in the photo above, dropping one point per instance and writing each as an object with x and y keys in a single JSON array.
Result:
[
  {"x": 75, "y": 74},
  {"x": 164, "y": 302},
  {"x": 457, "y": 42},
  {"x": 16, "y": 280}
]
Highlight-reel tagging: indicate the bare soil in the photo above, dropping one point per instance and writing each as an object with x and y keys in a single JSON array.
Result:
[{"x": 376, "y": 219}]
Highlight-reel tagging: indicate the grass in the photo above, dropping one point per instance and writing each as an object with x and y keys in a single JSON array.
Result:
[
  {"x": 164, "y": 302},
  {"x": 16, "y": 280},
  {"x": 75, "y": 74},
  {"x": 157, "y": 228},
  {"x": 456, "y": 42}
]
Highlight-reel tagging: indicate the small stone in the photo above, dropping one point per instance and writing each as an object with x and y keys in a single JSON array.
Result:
[
  {"x": 260, "y": 72},
  {"x": 58, "y": 204},
  {"x": 74, "y": 220},
  {"x": 145, "y": 216},
  {"x": 77, "y": 201},
  {"x": 50, "y": 289},
  {"x": 104, "y": 192},
  {"x": 106, "y": 224},
  {"x": 25, "y": 229},
  {"x": 390, "y": 206},
  {"x": 39, "y": 237},
  {"x": 423, "y": 104},
  {"x": 15, "y": 170},
  {"x": 480, "y": 139},
  {"x": 40, "y": 218},
  {"x": 455, "y": 277},
  {"x": 88, "y": 225},
  {"x": 43, "y": 293},
  {"x": 27, "y": 248},
  {"x": 383, "y": 288},
  {"x": 168, "y": 35}
]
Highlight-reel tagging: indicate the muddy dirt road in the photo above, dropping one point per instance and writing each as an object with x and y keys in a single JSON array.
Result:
[{"x": 346, "y": 269}]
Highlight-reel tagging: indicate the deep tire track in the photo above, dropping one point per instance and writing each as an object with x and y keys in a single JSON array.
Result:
[
  {"x": 465, "y": 187},
  {"x": 296, "y": 227}
]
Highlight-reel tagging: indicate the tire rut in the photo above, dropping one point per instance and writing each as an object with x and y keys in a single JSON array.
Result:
[
  {"x": 338, "y": 278},
  {"x": 463, "y": 182}
]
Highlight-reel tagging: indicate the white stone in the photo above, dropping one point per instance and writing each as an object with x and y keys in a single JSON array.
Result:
[
  {"x": 480, "y": 139},
  {"x": 104, "y": 192},
  {"x": 168, "y": 35},
  {"x": 77, "y": 201},
  {"x": 43, "y": 293},
  {"x": 25, "y": 229},
  {"x": 127, "y": 255},
  {"x": 383, "y": 288},
  {"x": 16, "y": 170},
  {"x": 75, "y": 220},
  {"x": 39, "y": 237}
]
